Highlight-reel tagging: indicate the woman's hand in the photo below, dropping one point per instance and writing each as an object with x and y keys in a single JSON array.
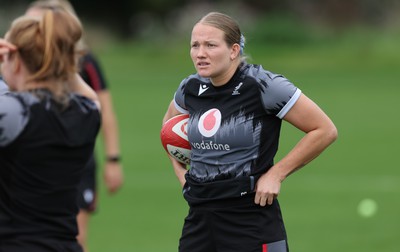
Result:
[
  {"x": 6, "y": 48},
  {"x": 113, "y": 176},
  {"x": 267, "y": 189}
]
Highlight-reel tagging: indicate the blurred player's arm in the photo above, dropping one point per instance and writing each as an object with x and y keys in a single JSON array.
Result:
[
  {"x": 113, "y": 175},
  {"x": 179, "y": 168}
]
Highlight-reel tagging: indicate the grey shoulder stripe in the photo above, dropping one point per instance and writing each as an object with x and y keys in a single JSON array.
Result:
[
  {"x": 13, "y": 119},
  {"x": 3, "y": 87},
  {"x": 289, "y": 104}
]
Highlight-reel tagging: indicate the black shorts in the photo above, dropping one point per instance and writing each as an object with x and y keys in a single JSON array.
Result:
[
  {"x": 237, "y": 225},
  {"x": 87, "y": 194}
]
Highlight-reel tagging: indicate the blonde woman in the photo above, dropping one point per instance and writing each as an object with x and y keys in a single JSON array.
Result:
[
  {"x": 236, "y": 110},
  {"x": 49, "y": 123},
  {"x": 91, "y": 72}
]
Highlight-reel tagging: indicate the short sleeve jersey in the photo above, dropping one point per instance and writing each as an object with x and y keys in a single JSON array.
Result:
[
  {"x": 43, "y": 150},
  {"x": 234, "y": 129}
]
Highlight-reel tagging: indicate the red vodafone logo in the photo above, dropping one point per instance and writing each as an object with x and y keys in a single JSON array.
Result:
[{"x": 210, "y": 122}]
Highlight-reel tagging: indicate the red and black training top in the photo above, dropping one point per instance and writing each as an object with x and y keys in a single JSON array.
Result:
[{"x": 91, "y": 72}]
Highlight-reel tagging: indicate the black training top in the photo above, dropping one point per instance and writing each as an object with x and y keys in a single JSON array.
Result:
[
  {"x": 91, "y": 72},
  {"x": 43, "y": 149},
  {"x": 233, "y": 129}
]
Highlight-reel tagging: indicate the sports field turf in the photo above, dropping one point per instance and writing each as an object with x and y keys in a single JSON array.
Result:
[{"x": 355, "y": 80}]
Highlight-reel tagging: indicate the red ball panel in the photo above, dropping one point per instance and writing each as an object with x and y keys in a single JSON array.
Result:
[{"x": 174, "y": 138}]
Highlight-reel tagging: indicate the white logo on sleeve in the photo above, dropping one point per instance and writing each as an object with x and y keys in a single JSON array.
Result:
[
  {"x": 203, "y": 88},
  {"x": 210, "y": 122}
]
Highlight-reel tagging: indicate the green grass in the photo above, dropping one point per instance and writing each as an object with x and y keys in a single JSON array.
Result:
[{"x": 354, "y": 79}]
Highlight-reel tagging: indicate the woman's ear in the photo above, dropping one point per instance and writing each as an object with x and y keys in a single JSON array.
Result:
[{"x": 235, "y": 51}]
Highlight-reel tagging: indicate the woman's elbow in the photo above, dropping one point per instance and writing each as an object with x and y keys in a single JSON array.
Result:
[{"x": 332, "y": 133}]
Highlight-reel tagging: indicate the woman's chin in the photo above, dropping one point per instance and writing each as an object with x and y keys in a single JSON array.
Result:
[{"x": 202, "y": 73}]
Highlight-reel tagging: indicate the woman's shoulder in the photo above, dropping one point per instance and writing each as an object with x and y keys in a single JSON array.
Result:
[
  {"x": 264, "y": 77},
  {"x": 13, "y": 116},
  {"x": 19, "y": 99},
  {"x": 84, "y": 102},
  {"x": 196, "y": 78},
  {"x": 3, "y": 86},
  {"x": 259, "y": 72}
]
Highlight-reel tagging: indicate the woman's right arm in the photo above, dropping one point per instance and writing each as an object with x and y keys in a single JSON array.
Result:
[{"x": 179, "y": 168}]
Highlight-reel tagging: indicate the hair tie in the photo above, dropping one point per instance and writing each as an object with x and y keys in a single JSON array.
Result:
[{"x": 242, "y": 41}]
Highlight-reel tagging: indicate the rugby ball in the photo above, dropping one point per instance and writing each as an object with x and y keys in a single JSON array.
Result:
[{"x": 174, "y": 138}]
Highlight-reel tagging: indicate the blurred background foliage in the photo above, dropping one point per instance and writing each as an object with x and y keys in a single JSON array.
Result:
[{"x": 155, "y": 19}]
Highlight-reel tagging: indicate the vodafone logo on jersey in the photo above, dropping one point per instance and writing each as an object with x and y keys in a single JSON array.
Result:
[{"x": 210, "y": 122}]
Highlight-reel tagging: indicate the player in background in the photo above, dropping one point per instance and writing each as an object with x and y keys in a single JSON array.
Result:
[
  {"x": 91, "y": 73},
  {"x": 49, "y": 123},
  {"x": 237, "y": 108}
]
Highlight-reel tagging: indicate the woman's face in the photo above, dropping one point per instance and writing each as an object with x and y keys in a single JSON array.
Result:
[{"x": 211, "y": 55}]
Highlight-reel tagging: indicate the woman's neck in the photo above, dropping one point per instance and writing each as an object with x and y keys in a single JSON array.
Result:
[
  {"x": 55, "y": 87},
  {"x": 224, "y": 78}
]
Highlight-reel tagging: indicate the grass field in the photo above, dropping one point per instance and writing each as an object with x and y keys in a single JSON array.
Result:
[{"x": 354, "y": 79}]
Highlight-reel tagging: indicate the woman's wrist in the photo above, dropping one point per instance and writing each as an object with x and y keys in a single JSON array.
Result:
[{"x": 113, "y": 158}]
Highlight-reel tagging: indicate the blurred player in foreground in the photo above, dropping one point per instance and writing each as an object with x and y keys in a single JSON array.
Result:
[
  {"x": 236, "y": 110},
  {"x": 91, "y": 73},
  {"x": 49, "y": 122}
]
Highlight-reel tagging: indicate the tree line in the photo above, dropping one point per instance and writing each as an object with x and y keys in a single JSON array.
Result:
[{"x": 126, "y": 16}]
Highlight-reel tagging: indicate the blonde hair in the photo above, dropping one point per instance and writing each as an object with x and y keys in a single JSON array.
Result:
[
  {"x": 226, "y": 24},
  {"x": 53, "y": 4},
  {"x": 47, "y": 46},
  {"x": 60, "y": 5}
]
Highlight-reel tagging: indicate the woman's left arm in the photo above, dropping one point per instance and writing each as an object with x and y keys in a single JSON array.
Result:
[
  {"x": 320, "y": 133},
  {"x": 113, "y": 174}
]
